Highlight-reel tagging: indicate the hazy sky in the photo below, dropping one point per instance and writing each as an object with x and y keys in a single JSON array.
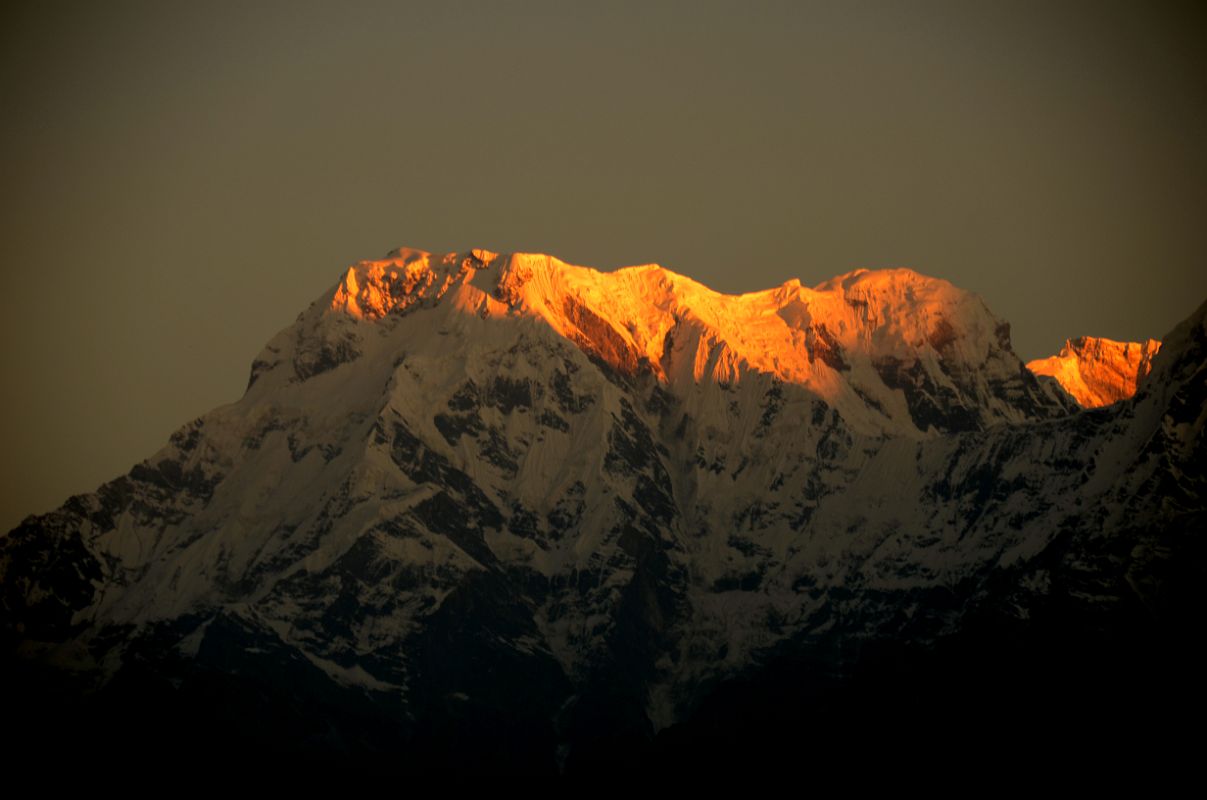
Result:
[{"x": 181, "y": 179}]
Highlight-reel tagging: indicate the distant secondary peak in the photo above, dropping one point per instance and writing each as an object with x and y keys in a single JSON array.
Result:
[{"x": 1097, "y": 371}]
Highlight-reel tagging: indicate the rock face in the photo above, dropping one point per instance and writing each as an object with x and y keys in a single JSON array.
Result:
[
  {"x": 1098, "y": 372},
  {"x": 500, "y": 513}
]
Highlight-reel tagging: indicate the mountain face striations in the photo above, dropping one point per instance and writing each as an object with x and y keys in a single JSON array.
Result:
[{"x": 497, "y": 513}]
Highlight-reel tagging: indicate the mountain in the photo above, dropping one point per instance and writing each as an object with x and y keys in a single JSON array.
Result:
[
  {"x": 498, "y": 513},
  {"x": 1098, "y": 372}
]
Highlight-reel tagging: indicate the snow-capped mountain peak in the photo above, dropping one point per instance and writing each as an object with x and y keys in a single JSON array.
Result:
[{"x": 502, "y": 507}]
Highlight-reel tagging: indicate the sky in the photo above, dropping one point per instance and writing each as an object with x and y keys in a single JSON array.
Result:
[{"x": 180, "y": 179}]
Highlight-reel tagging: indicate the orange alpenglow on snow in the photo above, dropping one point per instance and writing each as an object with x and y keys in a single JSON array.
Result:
[
  {"x": 878, "y": 346},
  {"x": 793, "y": 332},
  {"x": 1098, "y": 372}
]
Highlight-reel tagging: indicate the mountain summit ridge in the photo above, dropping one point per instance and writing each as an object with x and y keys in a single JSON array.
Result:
[{"x": 887, "y": 347}]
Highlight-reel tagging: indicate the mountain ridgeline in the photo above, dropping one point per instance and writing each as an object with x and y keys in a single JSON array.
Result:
[{"x": 498, "y": 513}]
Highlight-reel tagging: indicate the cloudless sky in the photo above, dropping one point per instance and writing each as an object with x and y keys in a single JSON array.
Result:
[{"x": 180, "y": 179}]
